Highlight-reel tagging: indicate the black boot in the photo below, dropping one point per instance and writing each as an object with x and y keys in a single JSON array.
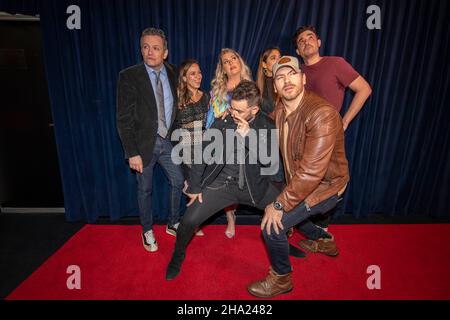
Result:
[
  {"x": 174, "y": 267},
  {"x": 185, "y": 232}
]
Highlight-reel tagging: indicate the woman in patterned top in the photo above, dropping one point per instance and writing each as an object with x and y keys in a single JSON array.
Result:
[
  {"x": 230, "y": 71},
  {"x": 193, "y": 106}
]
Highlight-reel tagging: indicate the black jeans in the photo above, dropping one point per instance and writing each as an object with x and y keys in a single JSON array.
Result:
[
  {"x": 278, "y": 245},
  {"x": 220, "y": 194}
]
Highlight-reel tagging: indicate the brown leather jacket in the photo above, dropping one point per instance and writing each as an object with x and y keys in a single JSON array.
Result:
[{"x": 313, "y": 152}]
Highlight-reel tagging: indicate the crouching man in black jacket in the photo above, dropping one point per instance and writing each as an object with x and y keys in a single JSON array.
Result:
[{"x": 240, "y": 174}]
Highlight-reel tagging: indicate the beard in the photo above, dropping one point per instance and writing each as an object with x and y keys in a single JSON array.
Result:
[
  {"x": 308, "y": 51},
  {"x": 292, "y": 94}
]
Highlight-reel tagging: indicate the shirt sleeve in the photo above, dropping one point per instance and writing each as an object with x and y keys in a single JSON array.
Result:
[{"x": 345, "y": 72}]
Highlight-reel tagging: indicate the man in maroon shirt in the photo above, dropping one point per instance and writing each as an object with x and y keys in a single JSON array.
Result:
[{"x": 328, "y": 77}]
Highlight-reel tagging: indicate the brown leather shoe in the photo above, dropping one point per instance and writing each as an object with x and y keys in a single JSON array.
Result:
[
  {"x": 274, "y": 284},
  {"x": 325, "y": 246},
  {"x": 290, "y": 232}
]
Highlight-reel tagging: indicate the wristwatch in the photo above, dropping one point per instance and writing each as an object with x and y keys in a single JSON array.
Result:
[{"x": 278, "y": 206}]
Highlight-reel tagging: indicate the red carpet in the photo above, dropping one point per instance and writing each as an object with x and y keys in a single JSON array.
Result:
[{"x": 414, "y": 262}]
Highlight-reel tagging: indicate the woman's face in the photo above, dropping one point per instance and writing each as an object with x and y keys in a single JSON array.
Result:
[
  {"x": 271, "y": 59},
  {"x": 231, "y": 64},
  {"x": 193, "y": 77}
]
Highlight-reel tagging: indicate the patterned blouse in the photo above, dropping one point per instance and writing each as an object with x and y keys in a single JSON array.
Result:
[{"x": 193, "y": 116}]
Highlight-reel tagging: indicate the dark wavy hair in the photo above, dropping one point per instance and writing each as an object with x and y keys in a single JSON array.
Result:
[
  {"x": 301, "y": 30},
  {"x": 248, "y": 91},
  {"x": 260, "y": 73}
]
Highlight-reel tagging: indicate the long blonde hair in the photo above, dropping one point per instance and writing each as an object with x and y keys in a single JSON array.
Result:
[
  {"x": 260, "y": 74},
  {"x": 219, "y": 83}
]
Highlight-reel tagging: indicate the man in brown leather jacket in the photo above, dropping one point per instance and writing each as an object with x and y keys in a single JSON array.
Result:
[{"x": 316, "y": 169}]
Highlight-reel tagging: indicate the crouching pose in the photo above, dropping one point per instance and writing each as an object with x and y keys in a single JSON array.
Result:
[
  {"x": 316, "y": 169},
  {"x": 241, "y": 176}
]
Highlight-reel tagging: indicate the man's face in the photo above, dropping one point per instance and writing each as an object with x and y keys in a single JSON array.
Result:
[
  {"x": 307, "y": 44},
  {"x": 153, "y": 52},
  {"x": 289, "y": 83},
  {"x": 240, "y": 108}
]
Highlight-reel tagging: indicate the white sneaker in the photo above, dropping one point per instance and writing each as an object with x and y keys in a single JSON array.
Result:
[{"x": 149, "y": 241}]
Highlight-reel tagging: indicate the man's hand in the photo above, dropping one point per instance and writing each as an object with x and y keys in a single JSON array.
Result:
[
  {"x": 271, "y": 217},
  {"x": 225, "y": 114},
  {"x": 136, "y": 164},
  {"x": 243, "y": 127},
  {"x": 193, "y": 197}
]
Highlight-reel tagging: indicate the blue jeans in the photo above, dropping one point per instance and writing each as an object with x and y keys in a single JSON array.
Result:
[
  {"x": 312, "y": 228},
  {"x": 278, "y": 245},
  {"x": 162, "y": 155}
]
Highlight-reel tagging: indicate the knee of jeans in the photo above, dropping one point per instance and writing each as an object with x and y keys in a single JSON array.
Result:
[
  {"x": 273, "y": 235},
  {"x": 144, "y": 189}
]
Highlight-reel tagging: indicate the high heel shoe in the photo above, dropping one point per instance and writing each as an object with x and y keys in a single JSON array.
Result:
[
  {"x": 199, "y": 232},
  {"x": 231, "y": 234}
]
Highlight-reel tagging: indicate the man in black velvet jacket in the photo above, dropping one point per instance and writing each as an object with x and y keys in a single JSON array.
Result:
[
  {"x": 222, "y": 183},
  {"x": 146, "y": 109}
]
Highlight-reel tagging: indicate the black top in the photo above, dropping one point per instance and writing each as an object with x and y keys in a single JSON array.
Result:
[
  {"x": 269, "y": 91},
  {"x": 190, "y": 118},
  {"x": 233, "y": 167},
  {"x": 193, "y": 114},
  {"x": 269, "y": 96},
  {"x": 202, "y": 175}
]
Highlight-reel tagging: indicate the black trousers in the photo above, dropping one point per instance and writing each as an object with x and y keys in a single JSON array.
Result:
[
  {"x": 223, "y": 193},
  {"x": 219, "y": 195}
]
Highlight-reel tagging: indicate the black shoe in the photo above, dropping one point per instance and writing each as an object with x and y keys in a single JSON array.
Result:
[
  {"x": 174, "y": 267},
  {"x": 296, "y": 252},
  {"x": 172, "y": 229}
]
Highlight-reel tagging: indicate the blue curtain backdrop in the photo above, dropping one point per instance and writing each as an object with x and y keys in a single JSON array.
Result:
[{"x": 398, "y": 146}]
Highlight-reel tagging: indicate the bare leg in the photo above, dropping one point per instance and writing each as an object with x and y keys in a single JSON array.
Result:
[
  {"x": 231, "y": 221},
  {"x": 199, "y": 232}
]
